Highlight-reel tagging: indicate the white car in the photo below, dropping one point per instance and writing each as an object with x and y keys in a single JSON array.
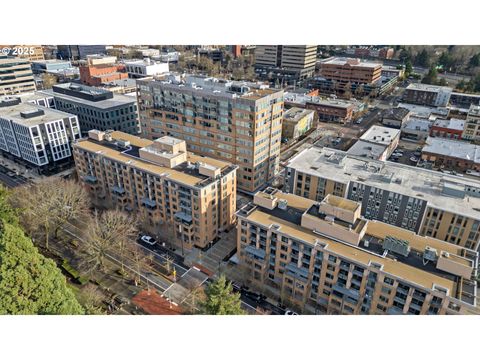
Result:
[
  {"x": 290, "y": 312},
  {"x": 148, "y": 239}
]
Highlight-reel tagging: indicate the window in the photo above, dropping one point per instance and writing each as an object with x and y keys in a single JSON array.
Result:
[{"x": 388, "y": 281}]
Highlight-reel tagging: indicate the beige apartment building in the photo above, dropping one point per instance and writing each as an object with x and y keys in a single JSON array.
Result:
[
  {"x": 178, "y": 195},
  {"x": 429, "y": 203},
  {"x": 324, "y": 257},
  {"x": 16, "y": 76},
  {"x": 238, "y": 122},
  {"x": 472, "y": 124}
]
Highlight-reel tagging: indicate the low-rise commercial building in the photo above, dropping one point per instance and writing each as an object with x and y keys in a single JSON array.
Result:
[
  {"x": 181, "y": 197},
  {"x": 450, "y": 129},
  {"x": 53, "y": 65},
  {"x": 99, "y": 70},
  {"x": 16, "y": 76},
  {"x": 323, "y": 257},
  {"x": 331, "y": 110},
  {"x": 452, "y": 154},
  {"x": 142, "y": 68},
  {"x": 97, "y": 108},
  {"x": 416, "y": 129},
  {"x": 429, "y": 95},
  {"x": 427, "y": 202},
  {"x": 296, "y": 122},
  {"x": 395, "y": 117},
  {"x": 38, "y": 135},
  {"x": 376, "y": 143}
]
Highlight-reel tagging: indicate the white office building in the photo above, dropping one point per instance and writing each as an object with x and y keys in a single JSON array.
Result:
[
  {"x": 142, "y": 68},
  {"x": 37, "y": 134}
]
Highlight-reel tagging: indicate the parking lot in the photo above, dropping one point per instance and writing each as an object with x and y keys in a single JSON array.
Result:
[{"x": 408, "y": 155}]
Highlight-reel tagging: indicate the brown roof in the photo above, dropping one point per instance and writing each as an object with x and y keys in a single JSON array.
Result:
[{"x": 154, "y": 304}]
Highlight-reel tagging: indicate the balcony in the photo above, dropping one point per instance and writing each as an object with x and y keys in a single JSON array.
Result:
[
  {"x": 183, "y": 218},
  {"x": 118, "y": 190},
  {"x": 90, "y": 179},
  {"x": 148, "y": 203}
]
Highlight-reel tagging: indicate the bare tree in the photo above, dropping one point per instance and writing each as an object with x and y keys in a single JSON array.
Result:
[
  {"x": 91, "y": 298},
  {"x": 194, "y": 299},
  {"x": 49, "y": 80},
  {"x": 141, "y": 262},
  {"x": 49, "y": 205},
  {"x": 169, "y": 261}
]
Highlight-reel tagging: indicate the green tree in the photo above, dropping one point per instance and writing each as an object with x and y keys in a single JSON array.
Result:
[
  {"x": 29, "y": 282},
  {"x": 220, "y": 299},
  {"x": 474, "y": 61},
  {"x": 408, "y": 68},
  {"x": 423, "y": 58},
  {"x": 431, "y": 77},
  {"x": 7, "y": 213}
]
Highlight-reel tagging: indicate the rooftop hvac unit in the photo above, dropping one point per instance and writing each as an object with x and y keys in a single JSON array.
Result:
[
  {"x": 397, "y": 246},
  {"x": 282, "y": 204},
  {"x": 430, "y": 254}
]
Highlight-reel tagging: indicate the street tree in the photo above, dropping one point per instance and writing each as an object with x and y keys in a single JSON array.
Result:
[
  {"x": 49, "y": 80},
  {"x": 141, "y": 262},
  {"x": 102, "y": 239},
  {"x": 220, "y": 299},
  {"x": 29, "y": 282},
  {"x": 49, "y": 205},
  {"x": 91, "y": 299}
]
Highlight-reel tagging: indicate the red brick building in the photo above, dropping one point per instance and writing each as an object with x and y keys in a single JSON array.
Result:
[
  {"x": 449, "y": 129},
  {"x": 96, "y": 75}
]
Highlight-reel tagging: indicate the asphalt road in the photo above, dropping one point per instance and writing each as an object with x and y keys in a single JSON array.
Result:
[{"x": 11, "y": 180}]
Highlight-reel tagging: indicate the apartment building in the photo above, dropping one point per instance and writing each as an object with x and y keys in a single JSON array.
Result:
[
  {"x": 424, "y": 201},
  {"x": 96, "y": 108},
  {"x": 472, "y": 124},
  {"x": 323, "y": 257},
  {"x": 296, "y": 122},
  {"x": 238, "y": 122},
  {"x": 285, "y": 63},
  {"x": 36, "y": 134},
  {"x": 427, "y": 95},
  {"x": 180, "y": 196},
  {"x": 347, "y": 70},
  {"x": 16, "y": 76}
]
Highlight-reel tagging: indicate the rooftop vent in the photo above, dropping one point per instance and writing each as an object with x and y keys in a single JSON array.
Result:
[
  {"x": 397, "y": 246},
  {"x": 32, "y": 113},
  {"x": 430, "y": 254},
  {"x": 283, "y": 204}
]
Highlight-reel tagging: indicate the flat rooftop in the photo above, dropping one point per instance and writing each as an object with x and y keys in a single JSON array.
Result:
[
  {"x": 403, "y": 179},
  {"x": 425, "y": 111},
  {"x": 288, "y": 222},
  {"x": 453, "y": 148},
  {"x": 341, "y": 61},
  {"x": 380, "y": 135},
  {"x": 428, "y": 87},
  {"x": 213, "y": 86},
  {"x": 78, "y": 90},
  {"x": 417, "y": 124},
  {"x": 330, "y": 102},
  {"x": 398, "y": 113},
  {"x": 367, "y": 149},
  {"x": 28, "y": 114},
  {"x": 183, "y": 173},
  {"x": 452, "y": 124},
  {"x": 296, "y": 114}
]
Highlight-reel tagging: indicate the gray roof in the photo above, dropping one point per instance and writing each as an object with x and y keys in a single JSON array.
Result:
[
  {"x": 418, "y": 124},
  {"x": 403, "y": 179},
  {"x": 452, "y": 124},
  {"x": 380, "y": 135},
  {"x": 453, "y": 148},
  {"x": 398, "y": 113},
  {"x": 117, "y": 100},
  {"x": 44, "y": 115},
  {"x": 366, "y": 149}
]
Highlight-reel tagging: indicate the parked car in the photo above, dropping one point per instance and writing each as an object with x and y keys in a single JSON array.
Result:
[
  {"x": 148, "y": 239},
  {"x": 290, "y": 312},
  {"x": 414, "y": 159},
  {"x": 359, "y": 121}
]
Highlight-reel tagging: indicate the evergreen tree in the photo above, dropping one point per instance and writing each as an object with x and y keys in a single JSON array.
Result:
[
  {"x": 423, "y": 58},
  {"x": 220, "y": 299},
  {"x": 30, "y": 283}
]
